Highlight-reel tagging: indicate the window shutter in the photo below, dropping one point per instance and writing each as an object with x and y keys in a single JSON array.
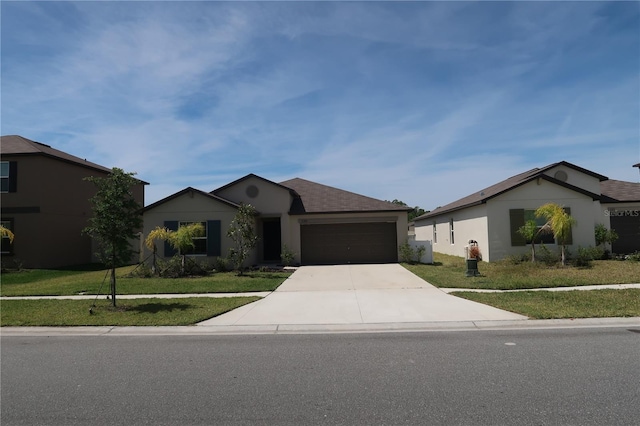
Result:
[
  {"x": 516, "y": 220},
  {"x": 171, "y": 225},
  {"x": 569, "y": 240},
  {"x": 214, "y": 238},
  {"x": 13, "y": 176}
]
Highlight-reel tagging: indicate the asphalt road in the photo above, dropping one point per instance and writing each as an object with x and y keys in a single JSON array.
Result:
[{"x": 528, "y": 377}]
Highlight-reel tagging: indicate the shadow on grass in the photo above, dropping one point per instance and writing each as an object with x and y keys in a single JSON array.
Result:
[{"x": 153, "y": 308}]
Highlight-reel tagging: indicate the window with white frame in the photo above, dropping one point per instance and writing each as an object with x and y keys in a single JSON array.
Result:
[
  {"x": 451, "y": 230},
  {"x": 435, "y": 232},
  {"x": 199, "y": 242}
]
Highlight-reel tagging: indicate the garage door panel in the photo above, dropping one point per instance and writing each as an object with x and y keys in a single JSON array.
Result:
[{"x": 349, "y": 243}]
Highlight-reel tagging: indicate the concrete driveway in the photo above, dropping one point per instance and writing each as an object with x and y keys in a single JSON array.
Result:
[{"x": 358, "y": 294}]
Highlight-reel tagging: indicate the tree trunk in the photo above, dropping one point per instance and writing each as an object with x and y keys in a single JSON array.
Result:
[
  {"x": 113, "y": 286},
  {"x": 113, "y": 278},
  {"x": 533, "y": 252}
]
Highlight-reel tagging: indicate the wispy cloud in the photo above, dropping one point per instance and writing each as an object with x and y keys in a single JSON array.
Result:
[{"x": 374, "y": 97}]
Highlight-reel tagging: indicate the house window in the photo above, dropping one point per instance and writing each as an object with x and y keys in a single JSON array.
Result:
[
  {"x": 200, "y": 242},
  {"x": 210, "y": 244},
  {"x": 518, "y": 217},
  {"x": 451, "y": 230},
  {"x": 542, "y": 237},
  {"x": 435, "y": 233},
  {"x": 4, "y": 176},
  {"x": 7, "y": 247}
]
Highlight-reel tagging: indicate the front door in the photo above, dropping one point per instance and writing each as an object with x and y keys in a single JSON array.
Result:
[{"x": 271, "y": 239}]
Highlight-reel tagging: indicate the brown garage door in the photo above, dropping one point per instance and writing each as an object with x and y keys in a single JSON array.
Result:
[
  {"x": 328, "y": 244},
  {"x": 628, "y": 229}
]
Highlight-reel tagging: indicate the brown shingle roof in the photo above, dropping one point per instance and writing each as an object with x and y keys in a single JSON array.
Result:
[
  {"x": 18, "y": 145},
  {"x": 617, "y": 191},
  {"x": 486, "y": 194},
  {"x": 318, "y": 198}
]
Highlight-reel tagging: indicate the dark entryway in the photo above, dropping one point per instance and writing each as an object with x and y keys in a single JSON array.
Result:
[
  {"x": 271, "y": 239},
  {"x": 340, "y": 243},
  {"x": 627, "y": 226}
]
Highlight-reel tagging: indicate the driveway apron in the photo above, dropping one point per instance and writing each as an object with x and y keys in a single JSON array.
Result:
[{"x": 358, "y": 294}]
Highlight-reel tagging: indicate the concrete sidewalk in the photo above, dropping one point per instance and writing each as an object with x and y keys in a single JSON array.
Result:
[
  {"x": 577, "y": 288},
  {"x": 343, "y": 298}
]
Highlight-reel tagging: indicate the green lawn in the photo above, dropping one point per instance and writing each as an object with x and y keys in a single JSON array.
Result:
[
  {"x": 563, "y": 304},
  {"x": 449, "y": 271},
  {"x": 134, "y": 312},
  {"x": 72, "y": 282}
]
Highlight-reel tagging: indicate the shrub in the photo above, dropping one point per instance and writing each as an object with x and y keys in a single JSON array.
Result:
[
  {"x": 517, "y": 259},
  {"x": 586, "y": 255},
  {"x": 604, "y": 235},
  {"x": 635, "y": 257},
  {"x": 287, "y": 255},
  {"x": 546, "y": 256},
  {"x": 221, "y": 264},
  {"x": 420, "y": 252},
  {"x": 406, "y": 253}
]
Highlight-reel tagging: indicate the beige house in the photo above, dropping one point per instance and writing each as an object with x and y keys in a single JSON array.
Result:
[
  {"x": 492, "y": 216},
  {"x": 319, "y": 223},
  {"x": 45, "y": 202}
]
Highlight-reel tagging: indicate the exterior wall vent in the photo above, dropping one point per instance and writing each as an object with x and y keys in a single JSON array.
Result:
[
  {"x": 561, "y": 175},
  {"x": 252, "y": 191}
]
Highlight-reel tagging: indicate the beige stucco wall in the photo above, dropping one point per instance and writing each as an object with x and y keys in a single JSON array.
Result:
[
  {"x": 191, "y": 207},
  {"x": 468, "y": 224},
  {"x": 530, "y": 196},
  {"x": 577, "y": 178},
  {"x": 270, "y": 200}
]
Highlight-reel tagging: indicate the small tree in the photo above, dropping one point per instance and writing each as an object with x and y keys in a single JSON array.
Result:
[
  {"x": 242, "y": 233},
  {"x": 181, "y": 239},
  {"x": 116, "y": 219},
  {"x": 559, "y": 222},
  {"x": 529, "y": 232},
  {"x": 604, "y": 235}
]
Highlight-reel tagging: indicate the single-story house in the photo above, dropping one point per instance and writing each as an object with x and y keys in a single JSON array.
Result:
[
  {"x": 318, "y": 223},
  {"x": 493, "y": 215}
]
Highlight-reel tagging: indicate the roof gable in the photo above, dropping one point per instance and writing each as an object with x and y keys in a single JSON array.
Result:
[
  {"x": 509, "y": 184},
  {"x": 247, "y": 177},
  {"x": 18, "y": 145},
  {"x": 317, "y": 198},
  {"x": 574, "y": 167},
  {"x": 188, "y": 190}
]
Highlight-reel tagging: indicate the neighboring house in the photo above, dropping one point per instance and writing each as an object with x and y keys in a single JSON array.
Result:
[
  {"x": 45, "y": 202},
  {"x": 493, "y": 215},
  {"x": 320, "y": 224}
]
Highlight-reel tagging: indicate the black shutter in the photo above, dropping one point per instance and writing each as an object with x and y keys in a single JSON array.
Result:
[
  {"x": 516, "y": 220},
  {"x": 569, "y": 240},
  {"x": 13, "y": 176},
  {"x": 171, "y": 225},
  {"x": 214, "y": 238}
]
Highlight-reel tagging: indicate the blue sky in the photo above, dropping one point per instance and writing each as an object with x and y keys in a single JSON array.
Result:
[{"x": 424, "y": 102}]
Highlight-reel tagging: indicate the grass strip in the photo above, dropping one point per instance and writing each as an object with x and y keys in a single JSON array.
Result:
[
  {"x": 68, "y": 282},
  {"x": 449, "y": 271},
  {"x": 129, "y": 312},
  {"x": 563, "y": 304}
]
